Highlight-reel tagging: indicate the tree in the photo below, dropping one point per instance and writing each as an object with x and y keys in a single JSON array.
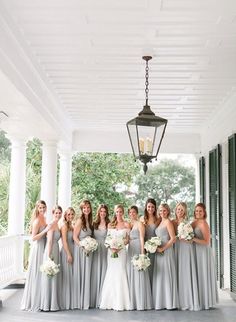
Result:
[
  {"x": 169, "y": 182},
  {"x": 102, "y": 178}
]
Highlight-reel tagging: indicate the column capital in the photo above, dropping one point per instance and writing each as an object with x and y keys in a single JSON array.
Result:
[{"x": 50, "y": 142}]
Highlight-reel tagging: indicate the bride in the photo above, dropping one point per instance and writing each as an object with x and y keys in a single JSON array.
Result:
[{"x": 115, "y": 291}]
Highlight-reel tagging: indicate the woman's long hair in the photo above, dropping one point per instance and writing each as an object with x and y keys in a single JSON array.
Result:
[
  {"x": 152, "y": 201},
  {"x": 97, "y": 220},
  {"x": 69, "y": 224},
  {"x": 82, "y": 216},
  {"x": 114, "y": 219},
  {"x": 35, "y": 212},
  {"x": 184, "y": 205}
]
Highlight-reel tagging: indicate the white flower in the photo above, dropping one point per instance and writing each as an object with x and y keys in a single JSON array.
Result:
[
  {"x": 152, "y": 244},
  {"x": 114, "y": 242},
  {"x": 89, "y": 245},
  {"x": 141, "y": 262},
  {"x": 49, "y": 267},
  {"x": 185, "y": 231}
]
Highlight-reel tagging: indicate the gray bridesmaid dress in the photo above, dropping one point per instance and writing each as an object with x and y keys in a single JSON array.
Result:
[
  {"x": 206, "y": 274},
  {"x": 31, "y": 297},
  {"x": 99, "y": 267},
  {"x": 67, "y": 274},
  {"x": 150, "y": 232},
  {"x": 82, "y": 273},
  {"x": 186, "y": 276},
  {"x": 164, "y": 287},
  {"x": 50, "y": 285},
  {"x": 139, "y": 281}
]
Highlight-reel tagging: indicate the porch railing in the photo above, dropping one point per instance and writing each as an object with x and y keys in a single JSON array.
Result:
[{"x": 11, "y": 259}]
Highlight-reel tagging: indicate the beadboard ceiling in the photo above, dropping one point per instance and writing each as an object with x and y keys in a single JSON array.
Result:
[{"x": 89, "y": 55}]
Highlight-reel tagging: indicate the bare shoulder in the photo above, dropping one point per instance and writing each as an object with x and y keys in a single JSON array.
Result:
[
  {"x": 141, "y": 219},
  {"x": 127, "y": 225}
]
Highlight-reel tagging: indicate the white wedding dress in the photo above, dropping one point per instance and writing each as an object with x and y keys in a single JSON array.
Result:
[{"x": 115, "y": 291}]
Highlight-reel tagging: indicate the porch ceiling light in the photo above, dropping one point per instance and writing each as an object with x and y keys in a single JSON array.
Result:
[{"x": 147, "y": 130}]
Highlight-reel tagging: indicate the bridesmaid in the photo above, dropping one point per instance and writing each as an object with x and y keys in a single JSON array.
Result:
[
  {"x": 67, "y": 253},
  {"x": 82, "y": 263},
  {"x": 206, "y": 274},
  {"x": 99, "y": 265},
  {"x": 185, "y": 265},
  {"x": 139, "y": 281},
  {"x": 151, "y": 221},
  {"x": 39, "y": 229},
  {"x": 50, "y": 286},
  {"x": 165, "y": 293}
]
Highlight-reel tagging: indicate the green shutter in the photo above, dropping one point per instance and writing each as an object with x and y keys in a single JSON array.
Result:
[
  {"x": 216, "y": 219},
  {"x": 202, "y": 175},
  {"x": 232, "y": 209}
]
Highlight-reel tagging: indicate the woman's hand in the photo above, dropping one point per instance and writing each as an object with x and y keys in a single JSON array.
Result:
[{"x": 69, "y": 259}]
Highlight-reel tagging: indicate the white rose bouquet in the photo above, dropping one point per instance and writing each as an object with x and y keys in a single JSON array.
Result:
[
  {"x": 49, "y": 267},
  {"x": 141, "y": 262},
  {"x": 185, "y": 231},
  {"x": 89, "y": 245},
  {"x": 152, "y": 244},
  {"x": 115, "y": 243}
]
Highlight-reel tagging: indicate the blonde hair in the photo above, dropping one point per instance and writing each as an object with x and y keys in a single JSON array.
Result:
[
  {"x": 114, "y": 219},
  {"x": 35, "y": 212},
  {"x": 184, "y": 205}
]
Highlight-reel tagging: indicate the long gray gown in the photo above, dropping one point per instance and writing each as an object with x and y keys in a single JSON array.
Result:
[
  {"x": 206, "y": 274},
  {"x": 139, "y": 281},
  {"x": 165, "y": 293},
  {"x": 186, "y": 276},
  {"x": 150, "y": 232},
  {"x": 31, "y": 297},
  {"x": 82, "y": 273},
  {"x": 67, "y": 274},
  {"x": 50, "y": 285},
  {"x": 99, "y": 267}
]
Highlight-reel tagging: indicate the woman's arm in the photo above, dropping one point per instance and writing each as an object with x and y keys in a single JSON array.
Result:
[
  {"x": 141, "y": 236},
  {"x": 65, "y": 245},
  {"x": 172, "y": 239},
  {"x": 77, "y": 230},
  {"x": 206, "y": 235},
  {"x": 36, "y": 235}
]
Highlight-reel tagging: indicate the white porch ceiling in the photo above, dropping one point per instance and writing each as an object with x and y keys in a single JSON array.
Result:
[{"x": 88, "y": 56}]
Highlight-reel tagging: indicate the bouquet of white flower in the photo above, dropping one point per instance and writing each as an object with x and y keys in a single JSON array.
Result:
[
  {"x": 115, "y": 243},
  {"x": 185, "y": 231},
  {"x": 49, "y": 267},
  {"x": 152, "y": 244},
  {"x": 89, "y": 245},
  {"x": 141, "y": 262}
]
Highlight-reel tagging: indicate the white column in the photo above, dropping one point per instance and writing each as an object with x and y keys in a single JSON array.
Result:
[
  {"x": 197, "y": 178},
  {"x": 64, "y": 190},
  {"x": 49, "y": 175},
  {"x": 16, "y": 207}
]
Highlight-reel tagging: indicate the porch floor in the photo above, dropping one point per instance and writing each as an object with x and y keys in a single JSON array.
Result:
[{"x": 10, "y": 312}]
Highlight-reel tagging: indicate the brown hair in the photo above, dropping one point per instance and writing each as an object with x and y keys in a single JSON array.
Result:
[
  {"x": 135, "y": 208},
  {"x": 82, "y": 216},
  {"x": 57, "y": 207},
  {"x": 114, "y": 219},
  {"x": 201, "y": 205},
  {"x": 152, "y": 201},
  {"x": 97, "y": 220}
]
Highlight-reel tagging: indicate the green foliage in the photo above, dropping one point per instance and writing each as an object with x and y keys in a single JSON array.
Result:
[
  {"x": 33, "y": 177},
  {"x": 169, "y": 182},
  {"x": 102, "y": 178},
  {"x": 4, "y": 197},
  {"x": 5, "y": 152}
]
